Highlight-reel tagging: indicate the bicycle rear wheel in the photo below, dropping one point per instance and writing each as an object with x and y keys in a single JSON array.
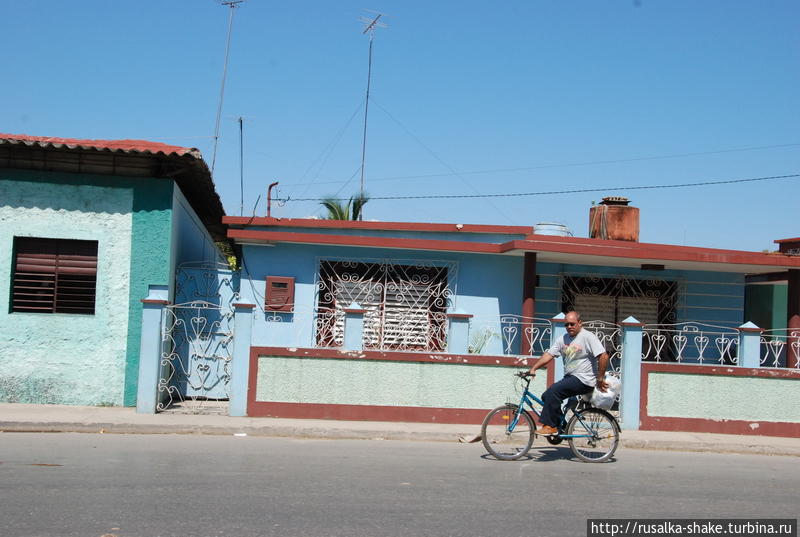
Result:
[
  {"x": 501, "y": 440},
  {"x": 602, "y": 435}
]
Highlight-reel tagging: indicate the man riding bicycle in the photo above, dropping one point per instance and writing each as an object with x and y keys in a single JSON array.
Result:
[{"x": 585, "y": 362}]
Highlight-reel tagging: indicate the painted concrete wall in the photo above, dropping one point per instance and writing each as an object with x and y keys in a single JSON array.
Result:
[
  {"x": 62, "y": 358},
  {"x": 371, "y": 382},
  {"x": 151, "y": 252},
  {"x": 51, "y": 205},
  {"x": 485, "y": 286},
  {"x": 191, "y": 240},
  {"x": 760, "y": 399}
]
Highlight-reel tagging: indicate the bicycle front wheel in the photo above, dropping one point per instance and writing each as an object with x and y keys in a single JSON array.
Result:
[
  {"x": 504, "y": 439},
  {"x": 598, "y": 435}
]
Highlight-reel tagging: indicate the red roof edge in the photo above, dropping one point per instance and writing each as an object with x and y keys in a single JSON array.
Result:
[
  {"x": 385, "y": 226},
  {"x": 781, "y": 241},
  {"x": 127, "y": 146}
]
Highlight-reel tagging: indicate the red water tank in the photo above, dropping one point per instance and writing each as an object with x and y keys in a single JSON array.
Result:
[{"x": 614, "y": 219}]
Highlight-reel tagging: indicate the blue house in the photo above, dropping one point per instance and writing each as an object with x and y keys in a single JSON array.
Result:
[
  {"x": 424, "y": 322},
  {"x": 89, "y": 228}
]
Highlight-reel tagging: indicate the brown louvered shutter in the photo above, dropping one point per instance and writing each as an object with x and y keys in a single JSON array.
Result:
[{"x": 54, "y": 275}]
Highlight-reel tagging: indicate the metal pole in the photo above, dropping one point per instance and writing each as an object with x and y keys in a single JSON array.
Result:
[
  {"x": 366, "y": 113},
  {"x": 222, "y": 88},
  {"x": 241, "y": 164},
  {"x": 269, "y": 199}
]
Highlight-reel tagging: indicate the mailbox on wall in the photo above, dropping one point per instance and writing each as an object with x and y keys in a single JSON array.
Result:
[{"x": 280, "y": 293}]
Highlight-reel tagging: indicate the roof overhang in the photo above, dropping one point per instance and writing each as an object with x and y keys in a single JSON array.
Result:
[
  {"x": 121, "y": 158},
  {"x": 583, "y": 251},
  {"x": 550, "y": 249},
  {"x": 423, "y": 227}
]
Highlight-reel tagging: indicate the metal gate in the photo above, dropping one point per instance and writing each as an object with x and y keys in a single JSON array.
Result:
[{"x": 197, "y": 341}]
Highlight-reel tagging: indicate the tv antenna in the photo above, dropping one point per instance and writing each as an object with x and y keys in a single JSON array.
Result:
[
  {"x": 240, "y": 121},
  {"x": 370, "y": 25},
  {"x": 232, "y": 4},
  {"x": 241, "y": 164}
]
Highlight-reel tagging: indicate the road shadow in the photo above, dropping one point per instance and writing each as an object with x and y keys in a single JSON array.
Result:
[{"x": 547, "y": 453}]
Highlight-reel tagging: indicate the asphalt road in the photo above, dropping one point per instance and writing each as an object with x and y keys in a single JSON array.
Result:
[{"x": 90, "y": 485}]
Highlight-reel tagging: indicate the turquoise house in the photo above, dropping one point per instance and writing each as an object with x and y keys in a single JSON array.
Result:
[{"x": 89, "y": 228}]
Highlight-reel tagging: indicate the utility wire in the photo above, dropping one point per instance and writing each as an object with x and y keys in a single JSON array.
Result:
[
  {"x": 575, "y": 191},
  {"x": 325, "y": 154},
  {"x": 565, "y": 165},
  {"x": 442, "y": 162}
]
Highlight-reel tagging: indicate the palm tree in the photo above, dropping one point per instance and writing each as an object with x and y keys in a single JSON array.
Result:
[{"x": 339, "y": 210}]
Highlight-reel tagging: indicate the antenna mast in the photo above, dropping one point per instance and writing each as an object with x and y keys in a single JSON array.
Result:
[
  {"x": 241, "y": 164},
  {"x": 370, "y": 26},
  {"x": 233, "y": 4}
]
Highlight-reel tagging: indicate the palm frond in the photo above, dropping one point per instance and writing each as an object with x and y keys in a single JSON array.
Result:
[
  {"x": 337, "y": 210},
  {"x": 358, "y": 202}
]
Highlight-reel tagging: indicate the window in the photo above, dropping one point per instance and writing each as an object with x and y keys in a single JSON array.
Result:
[
  {"x": 614, "y": 299},
  {"x": 405, "y": 305},
  {"x": 54, "y": 276}
]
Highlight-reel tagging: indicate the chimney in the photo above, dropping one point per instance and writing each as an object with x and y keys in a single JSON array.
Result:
[{"x": 614, "y": 219}]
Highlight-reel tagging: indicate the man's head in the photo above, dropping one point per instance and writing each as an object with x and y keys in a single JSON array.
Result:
[{"x": 572, "y": 322}]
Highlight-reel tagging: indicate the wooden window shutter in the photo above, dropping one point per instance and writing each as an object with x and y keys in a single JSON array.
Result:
[{"x": 54, "y": 275}]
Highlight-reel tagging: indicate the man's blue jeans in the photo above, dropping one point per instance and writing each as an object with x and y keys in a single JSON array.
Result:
[{"x": 555, "y": 394}]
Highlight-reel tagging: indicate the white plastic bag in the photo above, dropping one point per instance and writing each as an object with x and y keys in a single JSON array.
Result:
[{"x": 605, "y": 400}]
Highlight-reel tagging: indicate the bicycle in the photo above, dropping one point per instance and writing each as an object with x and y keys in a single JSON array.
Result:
[{"x": 508, "y": 431}]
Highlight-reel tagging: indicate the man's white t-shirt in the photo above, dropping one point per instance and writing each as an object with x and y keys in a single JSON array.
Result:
[{"x": 580, "y": 355}]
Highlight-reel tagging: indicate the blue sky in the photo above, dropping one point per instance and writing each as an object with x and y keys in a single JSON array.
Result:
[{"x": 468, "y": 97}]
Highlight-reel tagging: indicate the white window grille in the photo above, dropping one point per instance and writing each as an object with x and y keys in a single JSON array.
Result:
[
  {"x": 406, "y": 304},
  {"x": 605, "y": 301}
]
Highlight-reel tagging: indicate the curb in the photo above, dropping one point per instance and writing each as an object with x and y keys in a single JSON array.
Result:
[
  {"x": 265, "y": 431},
  {"x": 741, "y": 449},
  {"x": 323, "y": 433}
]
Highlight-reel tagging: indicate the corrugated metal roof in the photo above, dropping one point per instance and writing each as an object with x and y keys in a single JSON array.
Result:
[
  {"x": 123, "y": 146},
  {"x": 123, "y": 158}
]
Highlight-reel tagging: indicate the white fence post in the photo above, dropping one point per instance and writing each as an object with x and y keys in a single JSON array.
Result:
[
  {"x": 749, "y": 345},
  {"x": 240, "y": 368},
  {"x": 354, "y": 328},
  {"x": 150, "y": 350},
  {"x": 458, "y": 333},
  {"x": 559, "y": 330},
  {"x": 631, "y": 370}
]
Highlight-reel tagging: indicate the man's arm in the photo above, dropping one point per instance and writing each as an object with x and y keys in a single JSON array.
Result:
[
  {"x": 602, "y": 364},
  {"x": 543, "y": 360}
]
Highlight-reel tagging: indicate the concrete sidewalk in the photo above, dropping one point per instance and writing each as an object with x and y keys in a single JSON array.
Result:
[{"x": 60, "y": 418}]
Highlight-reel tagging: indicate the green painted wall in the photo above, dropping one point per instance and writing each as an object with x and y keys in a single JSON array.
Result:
[
  {"x": 79, "y": 359},
  {"x": 718, "y": 397},
  {"x": 371, "y": 382},
  {"x": 151, "y": 254},
  {"x": 61, "y": 358}
]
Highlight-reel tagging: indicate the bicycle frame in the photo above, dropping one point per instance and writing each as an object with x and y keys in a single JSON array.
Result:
[{"x": 529, "y": 398}]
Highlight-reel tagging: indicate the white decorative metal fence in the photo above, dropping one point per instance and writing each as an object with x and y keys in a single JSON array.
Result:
[
  {"x": 610, "y": 336},
  {"x": 197, "y": 340},
  {"x": 197, "y": 348},
  {"x": 690, "y": 343},
  {"x": 509, "y": 335},
  {"x": 780, "y": 348}
]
